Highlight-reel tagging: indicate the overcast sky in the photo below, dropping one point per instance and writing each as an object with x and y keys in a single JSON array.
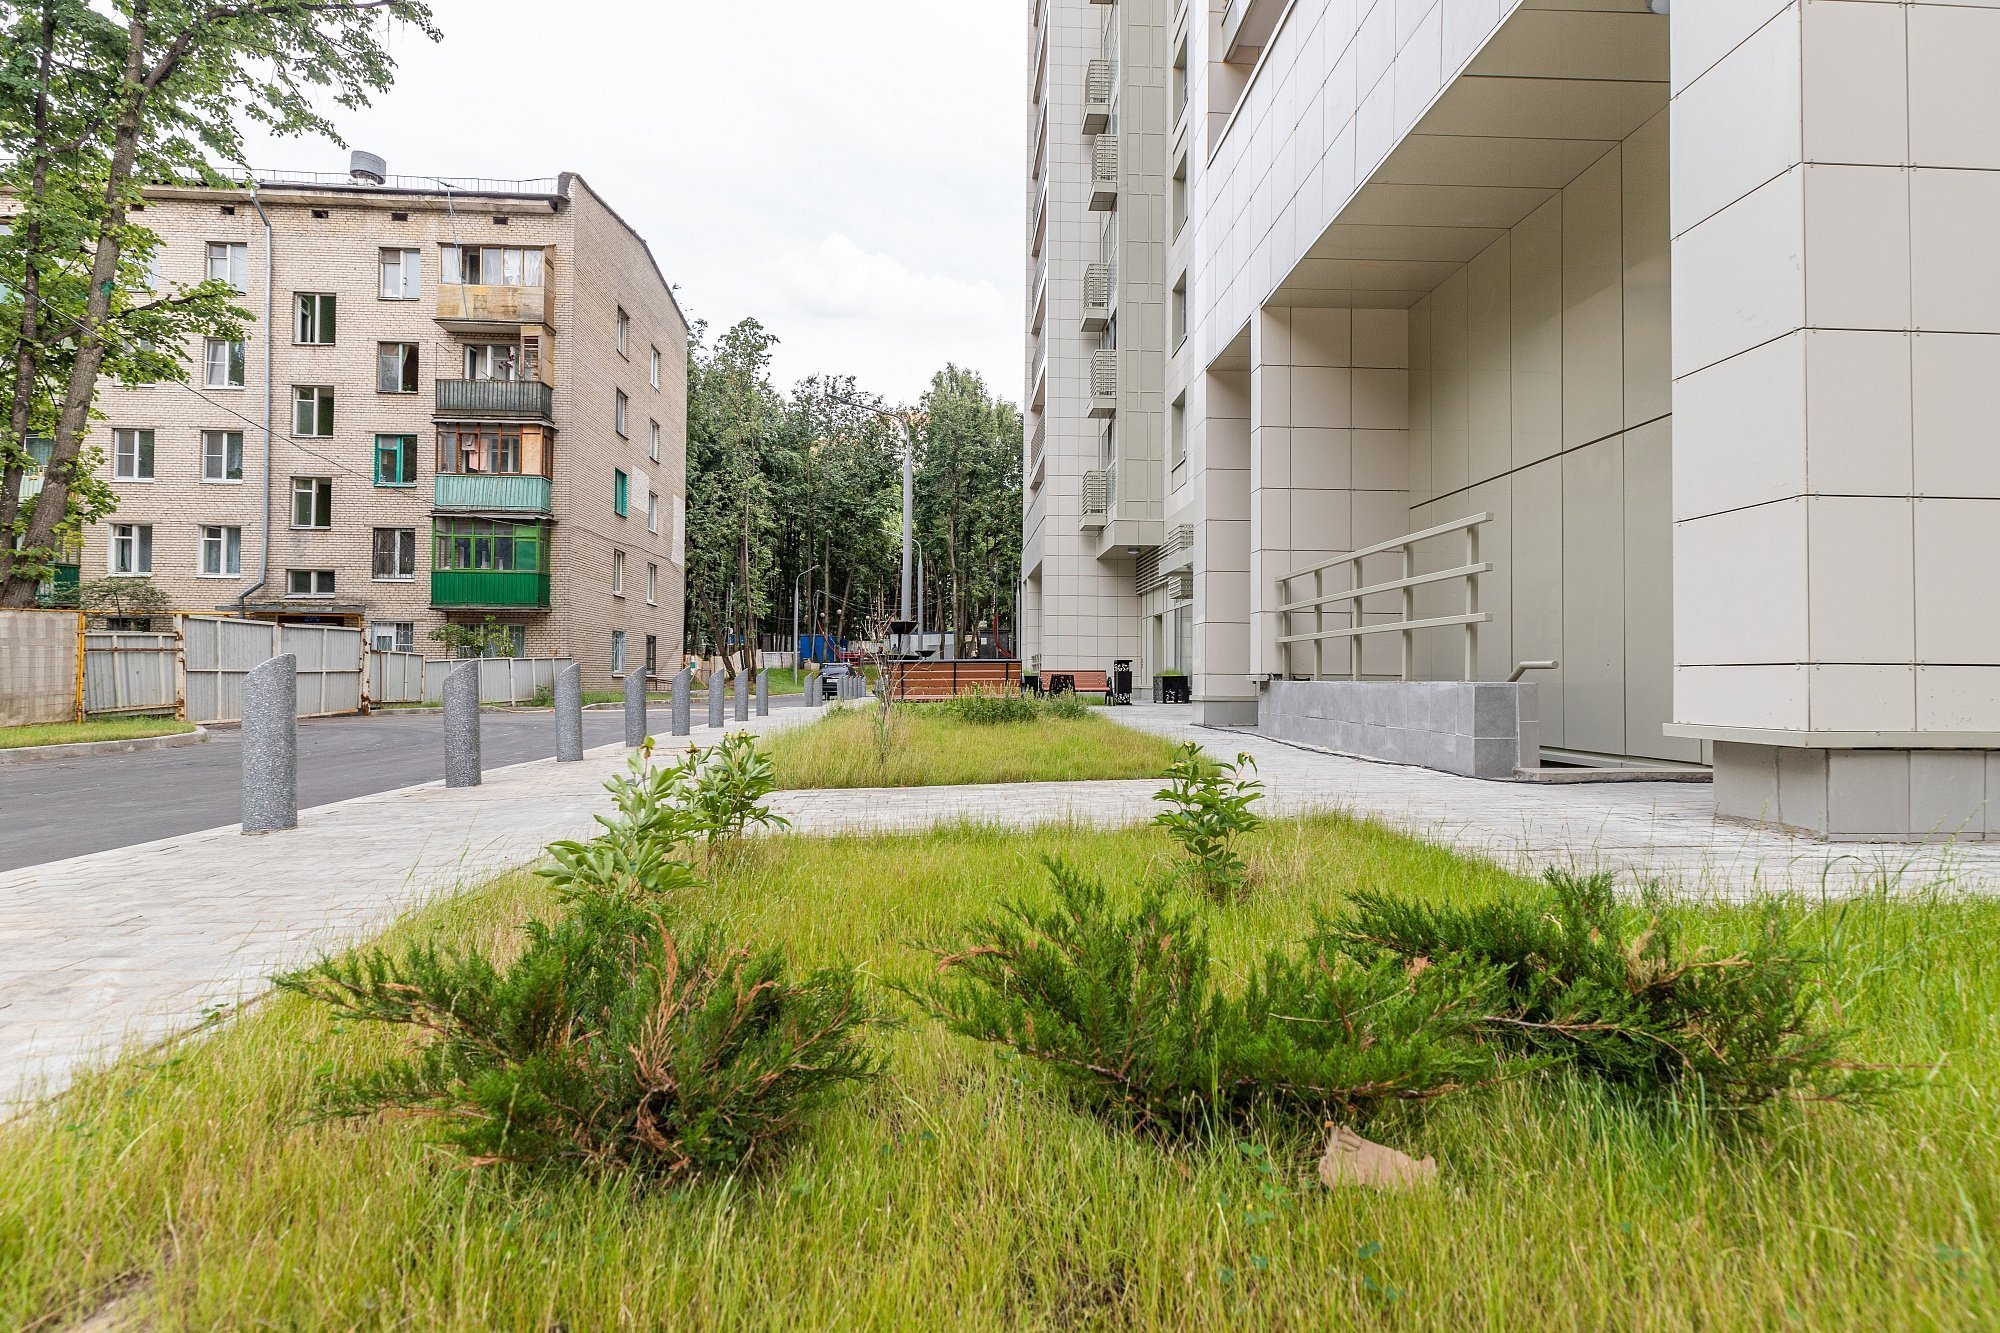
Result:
[{"x": 847, "y": 171}]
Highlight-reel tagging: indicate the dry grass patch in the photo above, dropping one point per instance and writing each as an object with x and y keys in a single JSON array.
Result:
[{"x": 929, "y": 747}]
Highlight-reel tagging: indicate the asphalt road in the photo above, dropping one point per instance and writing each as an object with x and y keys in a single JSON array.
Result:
[{"x": 56, "y": 808}]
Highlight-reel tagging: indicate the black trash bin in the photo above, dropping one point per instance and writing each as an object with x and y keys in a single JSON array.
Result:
[{"x": 1119, "y": 682}]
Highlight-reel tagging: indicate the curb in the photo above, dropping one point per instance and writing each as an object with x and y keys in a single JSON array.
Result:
[{"x": 85, "y": 749}]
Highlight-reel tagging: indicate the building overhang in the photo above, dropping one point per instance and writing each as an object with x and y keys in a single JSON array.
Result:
[
  {"x": 1836, "y": 740},
  {"x": 1550, "y": 93}
]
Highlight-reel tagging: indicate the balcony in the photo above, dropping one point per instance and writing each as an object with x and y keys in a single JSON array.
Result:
[
  {"x": 1097, "y": 97},
  {"x": 490, "y": 493},
  {"x": 1247, "y": 26},
  {"x": 1096, "y": 500},
  {"x": 1104, "y": 173},
  {"x": 1104, "y": 383},
  {"x": 490, "y": 589},
  {"x": 471, "y": 308},
  {"x": 1038, "y": 373},
  {"x": 1096, "y": 298},
  {"x": 496, "y": 400}
]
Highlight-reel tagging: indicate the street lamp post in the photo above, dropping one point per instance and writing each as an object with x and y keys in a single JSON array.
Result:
[{"x": 798, "y": 663}]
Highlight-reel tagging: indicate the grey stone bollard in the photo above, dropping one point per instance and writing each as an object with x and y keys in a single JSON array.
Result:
[
  {"x": 461, "y": 725},
  {"x": 683, "y": 705},
  {"x": 716, "y": 686},
  {"x": 763, "y": 694},
  {"x": 271, "y": 746},
  {"x": 743, "y": 696},
  {"x": 635, "y": 708},
  {"x": 569, "y": 713}
]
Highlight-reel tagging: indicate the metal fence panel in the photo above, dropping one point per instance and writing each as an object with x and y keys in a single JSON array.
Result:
[
  {"x": 395, "y": 678},
  {"x": 502, "y": 680},
  {"x": 127, "y": 672},
  {"x": 219, "y": 651}
]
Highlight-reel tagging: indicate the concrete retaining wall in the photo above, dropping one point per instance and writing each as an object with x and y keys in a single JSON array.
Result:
[{"x": 1477, "y": 729}]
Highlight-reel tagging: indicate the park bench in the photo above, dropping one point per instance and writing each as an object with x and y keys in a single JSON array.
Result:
[
  {"x": 933, "y": 681},
  {"x": 1075, "y": 682}
]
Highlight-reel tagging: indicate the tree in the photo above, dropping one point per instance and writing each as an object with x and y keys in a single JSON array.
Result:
[
  {"x": 93, "y": 106},
  {"x": 732, "y": 415},
  {"x": 968, "y": 498}
]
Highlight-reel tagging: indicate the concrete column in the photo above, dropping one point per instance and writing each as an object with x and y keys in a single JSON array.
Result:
[
  {"x": 569, "y": 712},
  {"x": 1218, "y": 414},
  {"x": 461, "y": 725},
  {"x": 271, "y": 746},
  {"x": 1836, "y": 497},
  {"x": 742, "y": 696},
  {"x": 763, "y": 694},
  {"x": 716, "y": 684},
  {"x": 635, "y": 708},
  {"x": 683, "y": 721}
]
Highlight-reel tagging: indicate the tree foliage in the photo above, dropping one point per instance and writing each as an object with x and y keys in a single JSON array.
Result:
[{"x": 97, "y": 101}]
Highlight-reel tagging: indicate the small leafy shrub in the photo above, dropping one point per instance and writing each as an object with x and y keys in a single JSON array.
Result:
[
  {"x": 637, "y": 854},
  {"x": 1211, "y": 808},
  {"x": 1618, "y": 991},
  {"x": 725, "y": 789},
  {"x": 1125, "y": 1007},
  {"x": 610, "y": 1042}
]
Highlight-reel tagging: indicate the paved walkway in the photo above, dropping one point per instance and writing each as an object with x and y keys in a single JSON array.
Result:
[{"x": 143, "y": 941}]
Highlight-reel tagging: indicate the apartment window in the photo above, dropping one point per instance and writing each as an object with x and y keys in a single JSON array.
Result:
[
  {"x": 618, "y": 652},
  {"x": 401, "y": 270},
  {"x": 395, "y": 555},
  {"x": 620, "y": 409},
  {"x": 621, "y": 492},
  {"x": 1178, "y": 197},
  {"x": 222, "y": 455},
  {"x": 653, "y": 373},
  {"x": 653, "y": 440},
  {"x": 221, "y": 552},
  {"x": 652, "y": 585},
  {"x": 312, "y": 410},
  {"x": 624, "y": 332},
  {"x": 393, "y": 636},
  {"x": 479, "y": 543},
  {"x": 229, "y": 261},
  {"x": 313, "y": 321},
  {"x": 1178, "y": 81},
  {"x": 132, "y": 455},
  {"x": 1177, "y": 432},
  {"x": 312, "y": 502},
  {"x": 132, "y": 548},
  {"x": 221, "y": 364},
  {"x": 395, "y": 460},
  {"x": 653, "y": 511},
  {"x": 617, "y": 573},
  {"x": 492, "y": 266},
  {"x": 471, "y": 449},
  {"x": 395, "y": 367},
  {"x": 309, "y": 582},
  {"x": 1180, "y": 311},
  {"x": 652, "y": 654},
  {"x": 493, "y": 361}
]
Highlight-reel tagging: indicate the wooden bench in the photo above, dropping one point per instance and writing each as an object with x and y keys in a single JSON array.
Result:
[
  {"x": 1076, "y": 682},
  {"x": 933, "y": 682}
]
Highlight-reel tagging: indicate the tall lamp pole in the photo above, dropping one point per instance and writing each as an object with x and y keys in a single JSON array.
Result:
[{"x": 798, "y": 665}]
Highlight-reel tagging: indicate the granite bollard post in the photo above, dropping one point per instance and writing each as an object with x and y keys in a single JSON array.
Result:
[
  {"x": 271, "y": 746},
  {"x": 461, "y": 725},
  {"x": 635, "y": 708},
  {"x": 683, "y": 705},
  {"x": 716, "y": 685},
  {"x": 763, "y": 694},
  {"x": 569, "y": 713},
  {"x": 743, "y": 695}
]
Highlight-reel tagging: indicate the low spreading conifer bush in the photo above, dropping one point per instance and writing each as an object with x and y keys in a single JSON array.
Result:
[
  {"x": 1125, "y": 1006},
  {"x": 1618, "y": 990}
]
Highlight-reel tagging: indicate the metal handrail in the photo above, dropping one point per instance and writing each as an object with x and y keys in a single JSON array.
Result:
[{"x": 1347, "y": 602}]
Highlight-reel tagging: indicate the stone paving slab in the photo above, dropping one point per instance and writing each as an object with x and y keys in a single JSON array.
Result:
[{"x": 143, "y": 941}]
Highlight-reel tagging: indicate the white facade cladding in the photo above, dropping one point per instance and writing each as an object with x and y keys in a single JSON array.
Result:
[{"x": 1691, "y": 321}]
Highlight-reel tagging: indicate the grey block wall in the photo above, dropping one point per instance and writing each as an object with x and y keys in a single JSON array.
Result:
[
  {"x": 1862, "y": 795},
  {"x": 1476, "y": 729}
]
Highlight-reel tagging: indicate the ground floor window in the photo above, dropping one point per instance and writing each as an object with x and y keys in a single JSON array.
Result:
[
  {"x": 131, "y": 548},
  {"x": 394, "y": 636},
  {"x": 617, "y": 651},
  {"x": 309, "y": 582},
  {"x": 488, "y": 544},
  {"x": 652, "y": 654}
]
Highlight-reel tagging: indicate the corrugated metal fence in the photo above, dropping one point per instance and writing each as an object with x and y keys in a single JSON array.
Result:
[
  {"x": 395, "y": 678},
  {"x": 502, "y": 680},
  {"x": 127, "y": 672},
  {"x": 220, "y": 652}
]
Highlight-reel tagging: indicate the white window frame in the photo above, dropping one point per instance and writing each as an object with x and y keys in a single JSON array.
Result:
[
  {"x": 221, "y": 358},
  {"x": 406, "y": 353},
  {"x": 618, "y": 652},
  {"x": 621, "y": 411},
  {"x": 624, "y": 333},
  {"x": 617, "y": 573},
  {"x": 220, "y": 456},
  {"x": 401, "y": 636},
  {"x": 653, "y": 444},
  {"x": 409, "y": 276},
  {"x": 652, "y": 511},
  {"x": 314, "y": 575},
  {"x": 319, "y": 392},
  {"x": 315, "y": 486},
  {"x": 652, "y": 584},
  {"x": 653, "y": 373},
  {"x": 235, "y": 263},
  {"x": 227, "y": 544},
  {"x": 132, "y": 446},
  {"x": 137, "y": 538},
  {"x": 319, "y": 303}
]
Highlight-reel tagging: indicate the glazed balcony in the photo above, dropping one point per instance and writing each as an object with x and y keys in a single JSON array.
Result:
[
  {"x": 481, "y": 308},
  {"x": 490, "y": 589},
  {"x": 482, "y": 492},
  {"x": 496, "y": 400}
]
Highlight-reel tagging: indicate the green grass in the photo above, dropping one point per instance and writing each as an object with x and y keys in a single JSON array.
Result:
[
  {"x": 929, "y": 750},
  {"x": 97, "y": 729},
  {"x": 965, "y": 1192}
]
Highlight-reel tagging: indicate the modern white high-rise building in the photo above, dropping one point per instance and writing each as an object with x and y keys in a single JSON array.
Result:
[{"x": 1658, "y": 347}]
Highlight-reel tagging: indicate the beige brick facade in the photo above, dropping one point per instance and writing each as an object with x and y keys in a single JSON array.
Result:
[{"x": 329, "y": 239}]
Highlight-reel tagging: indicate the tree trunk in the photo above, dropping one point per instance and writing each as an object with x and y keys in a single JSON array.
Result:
[{"x": 26, "y": 363}]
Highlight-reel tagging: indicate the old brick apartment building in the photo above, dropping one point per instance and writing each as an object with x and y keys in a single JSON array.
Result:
[{"x": 472, "y": 399}]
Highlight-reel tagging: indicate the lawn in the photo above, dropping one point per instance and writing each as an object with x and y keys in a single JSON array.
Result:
[
  {"x": 97, "y": 729},
  {"x": 931, "y": 748},
  {"x": 964, "y": 1191}
]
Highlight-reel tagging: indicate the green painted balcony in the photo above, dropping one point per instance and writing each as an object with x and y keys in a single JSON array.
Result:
[
  {"x": 498, "y": 589},
  {"x": 496, "y": 400},
  {"x": 487, "y": 492}
]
